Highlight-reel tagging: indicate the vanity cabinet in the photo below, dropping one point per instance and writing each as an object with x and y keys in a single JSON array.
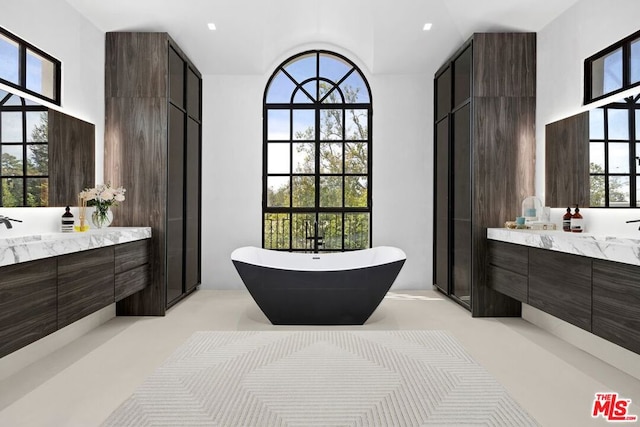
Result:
[
  {"x": 485, "y": 160},
  {"x": 28, "y": 303},
  {"x": 616, "y": 303},
  {"x": 508, "y": 271},
  {"x": 85, "y": 284},
  {"x": 560, "y": 284},
  {"x": 153, "y": 139},
  {"x": 131, "y": 268},
  {"x": 39, "y": 297}
]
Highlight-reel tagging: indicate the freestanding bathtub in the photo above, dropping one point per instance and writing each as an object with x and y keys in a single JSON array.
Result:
[{"x": 341, "y": 288}]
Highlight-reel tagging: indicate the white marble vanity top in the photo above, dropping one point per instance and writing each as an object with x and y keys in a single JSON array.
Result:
[
  {"x": 624, "y": 249},
  {"x": 22, "y": 248}
]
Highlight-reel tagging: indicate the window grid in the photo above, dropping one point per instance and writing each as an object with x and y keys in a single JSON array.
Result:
[
  {"x": 29, "y": 59},
  {"x": 611, "y": 188},
  {"x": 328, "y": 104}
]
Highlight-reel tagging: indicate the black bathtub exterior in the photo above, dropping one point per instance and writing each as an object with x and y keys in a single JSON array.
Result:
[{"x": 345, "y": 297}]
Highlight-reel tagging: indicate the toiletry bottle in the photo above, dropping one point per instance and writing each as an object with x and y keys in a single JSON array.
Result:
[
  {"x": 577, "y": 222},
  {"x": 67, "y": 221},
  {"x": 566, "y": 220}
]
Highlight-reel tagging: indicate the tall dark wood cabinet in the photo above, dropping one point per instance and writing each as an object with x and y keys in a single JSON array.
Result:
[
  {"x": 484, "y": 151},
  {"x": 153, "y": 142}
]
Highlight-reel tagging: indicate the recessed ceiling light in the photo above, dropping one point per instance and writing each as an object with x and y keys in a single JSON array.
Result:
[
  {"x": 427, "y": 26},
  {"x": 211, "y": 26}
]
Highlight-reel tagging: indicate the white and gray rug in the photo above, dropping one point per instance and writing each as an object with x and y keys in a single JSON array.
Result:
[{"x": 320, "y": 378}]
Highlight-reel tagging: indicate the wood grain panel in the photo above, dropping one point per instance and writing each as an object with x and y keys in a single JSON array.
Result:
[
  {"x": 560, "y": 284},
  {"x": 28, "y": 307},
  {"x": 136, "y": 65},
  {"x": 85, "y": 283},
  {"x": 567, "y": 162},
  {"x": 71, "y": 158},
  {"x": 131, "y": 281},
  {"x": 509, "y": 256},
  {"x": 616, "y": 303},
  {"x": 504, "y": 64},
  {"x": 509, "y": 283},
  {"x": 131, "y": 255},
  {"x": 503, "y": 175},
  {"x": 442, "y": 207}
]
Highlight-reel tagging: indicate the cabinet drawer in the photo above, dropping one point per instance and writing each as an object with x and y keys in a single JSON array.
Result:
[
  {"x": 130, "y": 255},
  {"x": 560, "y": 284},
  {"x": 616, "y": 303},
  {"x": 85, "y": 284},
  {"x": 509, "y": 256},
  {"x": 131, "y": 281},
  {"x": 509, "y": 283}
]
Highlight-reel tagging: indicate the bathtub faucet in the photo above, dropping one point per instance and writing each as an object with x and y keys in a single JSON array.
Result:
[
  {"x": 634, "y": 220},
  {"x": 7, "y": 221}
]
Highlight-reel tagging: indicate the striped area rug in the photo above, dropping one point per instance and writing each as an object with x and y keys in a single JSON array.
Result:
[{"x": 320, "y": 378}]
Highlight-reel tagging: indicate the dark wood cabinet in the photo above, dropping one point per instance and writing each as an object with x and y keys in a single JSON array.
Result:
[
  {"x": 85, "y": 284},
  {"x": 71, "y": 157},
  {"x": 509, "y": 269},
  {"x": 42, "y": 296},
  {"x": 153, "y": 144},
  {"x": 485, "y": 160},
  {"x": 616, "y": 303},
  {"x": 131, "y": 268},
  {"x": 28, "y": 303},
  {"x": 560, "y": 284},
  {"x": 567, "y": 162}
]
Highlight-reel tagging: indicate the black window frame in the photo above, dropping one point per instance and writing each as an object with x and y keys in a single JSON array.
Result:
[
  {"x": 23, "y": 108},
  {"x": 631, "y": 105},
  {"x": 625, "y": 45},
  {"x": 23, "y": 46},
  {"x": 317, "y": 105}
]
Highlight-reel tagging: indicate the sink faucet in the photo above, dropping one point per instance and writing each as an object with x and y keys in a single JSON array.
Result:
[
  {"x": 7, "y": 221},
  {"x": 634, "y": 220}
]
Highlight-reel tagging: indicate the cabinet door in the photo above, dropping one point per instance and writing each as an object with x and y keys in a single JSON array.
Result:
[
  {"x": 460, "y": 178},
  {"x": 192, "y": 207},
  {"x": 27, "y": 303},
  {"x": 443, "y": 94},
  {"x": 462, "y": 77},
  {"x": 131, "y": 268},
  {"x": 560, "y": 284},
  {"x": 85, "y": 284},
  {"x": 441, "y": 221},
  {"x": 616, "y": 303},
  {"x": 175, "y": 205},
  {"x": 508, "y": 269}
]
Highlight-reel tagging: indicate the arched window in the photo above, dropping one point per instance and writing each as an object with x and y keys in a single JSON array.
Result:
[{"x": 317, "y": 155}]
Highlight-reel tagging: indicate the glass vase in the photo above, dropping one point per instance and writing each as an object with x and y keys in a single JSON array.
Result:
[{"x": 102, "y": 218}]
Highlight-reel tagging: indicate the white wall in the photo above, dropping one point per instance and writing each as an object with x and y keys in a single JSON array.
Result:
[
  {"x": 232, "y": 173},
  {"x": 581, "y": 31},
  {"x": 62, "y": 32}
]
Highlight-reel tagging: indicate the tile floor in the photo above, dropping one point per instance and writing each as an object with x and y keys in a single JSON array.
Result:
[{"x": 81, "y": 383}]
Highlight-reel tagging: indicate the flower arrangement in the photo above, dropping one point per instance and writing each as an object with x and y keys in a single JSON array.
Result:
[{"x": 102, "y": 196}]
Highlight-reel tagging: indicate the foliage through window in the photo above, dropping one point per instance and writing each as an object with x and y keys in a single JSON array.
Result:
[
  {"x": 24, "y": 165},
  {"x": 29, "y": 69},
  {"x": 614, "y": 154},
  {"x": 317, "y": 155}
]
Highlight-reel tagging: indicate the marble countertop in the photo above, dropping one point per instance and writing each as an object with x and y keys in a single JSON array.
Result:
[
  {"x": 17, "y": 249},
  {"x": 624, "y": 249}
]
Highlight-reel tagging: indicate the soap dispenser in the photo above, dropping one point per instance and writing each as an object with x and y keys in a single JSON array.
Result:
[
  {"x": 67, "y": 221},
  {"x": 577, "y": 222},
  {"x": 566, "y": 220}
]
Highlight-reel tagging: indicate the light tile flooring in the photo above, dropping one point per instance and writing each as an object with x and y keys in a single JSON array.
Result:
[{"x": 80, "y": 384}]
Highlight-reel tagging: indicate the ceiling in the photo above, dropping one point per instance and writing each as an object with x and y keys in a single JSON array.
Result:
[{"x": 385, "y": 36}]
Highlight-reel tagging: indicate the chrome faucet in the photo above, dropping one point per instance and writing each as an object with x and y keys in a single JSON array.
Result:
[
  {"x": 7, "y": 221},
  {"x": 634, "y": 220}
]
